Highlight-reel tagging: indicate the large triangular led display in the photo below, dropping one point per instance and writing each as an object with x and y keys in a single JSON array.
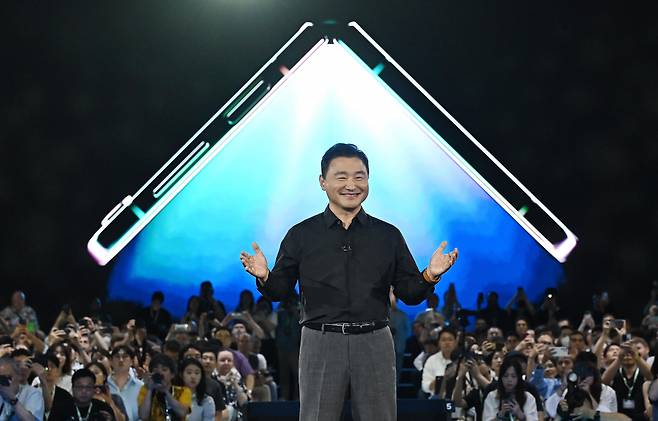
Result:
[{"x": 251, "y": 172}]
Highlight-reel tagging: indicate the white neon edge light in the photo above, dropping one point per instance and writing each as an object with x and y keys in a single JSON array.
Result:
[
  {"x": 103, "y": 255},
  {"x": 561, "y": 250}
]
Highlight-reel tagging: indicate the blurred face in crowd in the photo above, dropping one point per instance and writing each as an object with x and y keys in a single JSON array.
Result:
[
  {"x": 121, "y": 361},
  {"x": 18, "y": 300},
  {"x": 209, "y": 362},
  {"x": 83, "y": 390},
  {"x": 480, "y": 325},
  {"x": 238, "y": 330},
  {"x": 244, "y": 344},
  {"x": 224, "y": 362},
  {"x": 511, "y": 342},
  {"x": 611, "y": 353},
  {"x": 60, "y": 353},
  {"x": 192, "y": 376},
  {"x": 509, "y": 379},
  {"x": 100, "y": 377},
  {"x": 546, "y": 340},
  {"x": 166, "y": 373},
  {"x": 84, "y": 342},
  {"x": 497, "y": 361},
  {"x": 192, "y": 353},
  {"x": 53, "y": 373},
  {"x": 521, "y": 328},
  {"x": 627, "y": 357},
  {"x": 550, "y": 369},
  {"x": 565, "y": 365},
  {"x": 102, "y": 359},
  {"x": 641, "y": 349},
  {"x": 577, "y": 342},
  {"x": 447, "y": 343},
  {"x": 494, "y": 332}
]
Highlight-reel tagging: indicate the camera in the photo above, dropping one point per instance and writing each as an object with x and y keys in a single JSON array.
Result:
[
  {"x": 575, "y": 395},
  {"x": 5, "y": 380},
  {"x": 157, "y": 378}
]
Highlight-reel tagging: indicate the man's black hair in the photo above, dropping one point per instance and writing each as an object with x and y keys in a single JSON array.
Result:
[
  {"x": 82, "y": 373},
  {"x": 164, "y": 361},
  {"x": 346, "y": 150},
  {"x": 172, "y": 345},
  {"x": 125, "y": 348},
  {"x": 158, "y": 295},
  {"x": 448, "y": 329}
]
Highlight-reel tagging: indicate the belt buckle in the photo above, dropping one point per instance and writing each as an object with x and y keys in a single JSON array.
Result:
[{"x": 342, "y": 328}]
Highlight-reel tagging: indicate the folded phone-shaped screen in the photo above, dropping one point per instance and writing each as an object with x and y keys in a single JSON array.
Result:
[{"x": 265, "y": 179}]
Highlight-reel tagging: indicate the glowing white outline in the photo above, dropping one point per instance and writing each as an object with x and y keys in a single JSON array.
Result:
[
  {"x": 103, "y": 255},
  {"x": 560, "y": 250}
]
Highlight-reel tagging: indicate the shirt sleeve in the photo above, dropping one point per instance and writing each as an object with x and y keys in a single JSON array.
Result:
[
  {"x": 34, "y": 403},
  {"x": 489, "y": 409},
  {"x": 530, "y": 408},
  {"x": 408, "y": 284},
  {"x": 608, "y": 401},
  {"x": 285, "y": 273},
  {"x": 185, "y": 398},
  {"x": 430, "y": 371}
]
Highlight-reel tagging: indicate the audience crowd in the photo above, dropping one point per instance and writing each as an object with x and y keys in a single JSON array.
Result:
[{"x": 522, "y": 361}]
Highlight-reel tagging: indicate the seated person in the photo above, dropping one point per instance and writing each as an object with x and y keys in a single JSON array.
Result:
[{"x": 82, "y": 406}]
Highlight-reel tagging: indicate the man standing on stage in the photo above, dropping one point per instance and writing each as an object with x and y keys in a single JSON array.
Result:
[{"x": 346, "y": 261}]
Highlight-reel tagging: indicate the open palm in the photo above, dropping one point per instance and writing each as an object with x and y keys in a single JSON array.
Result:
[
  {"x": 255, "y": 264},
  {"x": 440, "y": 263}
]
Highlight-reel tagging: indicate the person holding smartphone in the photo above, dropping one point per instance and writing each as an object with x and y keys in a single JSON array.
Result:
[
  {"x": 159, "y": 399},
  {"x": 510, "y": 401},
  {"x": 103, "y": 391}
]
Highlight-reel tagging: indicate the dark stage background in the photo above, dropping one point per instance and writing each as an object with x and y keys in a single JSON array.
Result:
[{"x": 97, "y": 95}]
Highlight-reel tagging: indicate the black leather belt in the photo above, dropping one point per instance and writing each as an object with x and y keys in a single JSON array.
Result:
[{"x": 347, "y": 328}]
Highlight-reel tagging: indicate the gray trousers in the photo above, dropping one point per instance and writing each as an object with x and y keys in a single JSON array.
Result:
[{"x": 330, "y": 362}]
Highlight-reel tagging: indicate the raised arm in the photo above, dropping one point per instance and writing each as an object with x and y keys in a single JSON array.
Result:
[{"x": 280, "y": 281}]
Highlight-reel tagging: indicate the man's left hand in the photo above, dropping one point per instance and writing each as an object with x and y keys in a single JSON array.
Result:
[{"x": 440, "y": 263}]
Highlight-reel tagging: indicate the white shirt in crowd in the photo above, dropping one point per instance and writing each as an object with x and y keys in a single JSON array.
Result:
[
  {"x": 491, "y": 404},
  {"x": 434, "y": 366},
  {"x": 128, "y": 394},
  {"x": 607, "y": 401},
  {"x": 31, "y": 399},
  {"x": 203, "y": 412}
]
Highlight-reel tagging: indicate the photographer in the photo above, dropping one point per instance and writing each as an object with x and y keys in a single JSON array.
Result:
[
  {"x": 436, "y": 364},
  {"x": 158, "y": 399},
  {"x": 103, "y": 391},
  {"x": 626, "y": 376},
  {"x": 469, "y": 387},
  {"x": 18, "y": 401},
  {"x": 510, "y": 400},
  {"x": 583, "y": 382}
]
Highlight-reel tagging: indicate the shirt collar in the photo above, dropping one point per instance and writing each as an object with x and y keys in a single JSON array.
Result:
[{"x": 330, "y": 219}]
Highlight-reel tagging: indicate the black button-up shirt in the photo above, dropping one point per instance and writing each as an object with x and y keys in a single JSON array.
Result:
[{"x": 345, "y": 274}]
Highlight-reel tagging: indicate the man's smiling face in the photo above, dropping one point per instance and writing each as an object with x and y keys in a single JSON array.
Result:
[{"x": 346, "y": 183}]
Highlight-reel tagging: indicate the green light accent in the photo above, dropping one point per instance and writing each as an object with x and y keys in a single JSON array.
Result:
[
  {"x": 523, "y": 210},
  {"x": 242, "y": 99},
  {"x": 329, "y": 21},
  {"x": 378, "y": 68},
  {"x": 137, "y": 211},
  {"x": 181, "y": 172}
]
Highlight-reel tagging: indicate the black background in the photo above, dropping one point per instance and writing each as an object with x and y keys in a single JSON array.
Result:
[{"x": 97, "y": 95}]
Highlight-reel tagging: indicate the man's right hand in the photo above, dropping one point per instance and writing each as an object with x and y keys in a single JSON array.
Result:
[{"x": 255, "y": 264}]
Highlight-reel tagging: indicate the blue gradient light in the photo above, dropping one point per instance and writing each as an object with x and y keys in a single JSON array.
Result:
[{"x": 266, "y": 179}]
